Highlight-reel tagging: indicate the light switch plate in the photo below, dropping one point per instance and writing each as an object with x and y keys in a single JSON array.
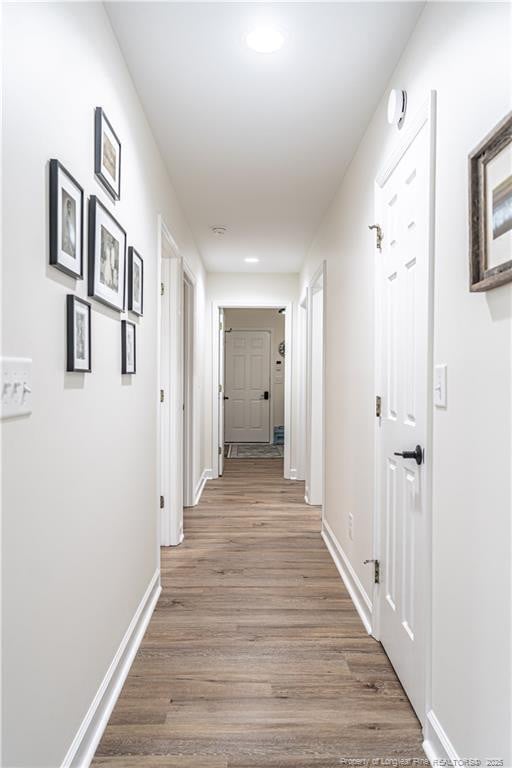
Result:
[
  {"x": 440, "y": 386},
  {"x": 16, "y": 386}
]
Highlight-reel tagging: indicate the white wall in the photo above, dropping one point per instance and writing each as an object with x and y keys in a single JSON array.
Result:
[
  {"x": 457, "y": 49},
  {"x": 266, "y": 320},
  {"x": 250, "y": 290},
  {"x": 79, "y": 474}
]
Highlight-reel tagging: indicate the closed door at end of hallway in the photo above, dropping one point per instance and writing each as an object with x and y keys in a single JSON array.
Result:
[{"x": 247, "y": 387}]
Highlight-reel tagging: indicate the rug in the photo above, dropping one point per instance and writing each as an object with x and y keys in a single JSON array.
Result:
[{"x": 254, "y": 451}]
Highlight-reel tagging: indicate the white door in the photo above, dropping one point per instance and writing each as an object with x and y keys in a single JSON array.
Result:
[
  {"x": 404, "y": 280},
  {"x": 247, "y": 407},
  {"x": 222, "y": 393}
]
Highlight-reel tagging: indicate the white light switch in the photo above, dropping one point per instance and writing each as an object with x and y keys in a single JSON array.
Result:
[
  {"x": 16, "y": 383},
  {"x": 440, "y": 386}
]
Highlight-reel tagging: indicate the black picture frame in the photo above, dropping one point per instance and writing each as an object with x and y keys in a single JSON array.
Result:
[
  {"x": 134, "y": 306},
  {"x": 128, "y": 362},
  {"x": 74, "y": 309},
  {"x": 100, "y": 286},
  {"x": 106, "y": 141},
  {"x": 59, "y": 253},
  {"x": 483, "y": 276}
]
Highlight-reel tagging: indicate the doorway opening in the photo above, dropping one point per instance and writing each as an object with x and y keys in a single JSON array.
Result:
[
  {"x": 252, "y": 383},
  {"x": 177, "y": 288}
]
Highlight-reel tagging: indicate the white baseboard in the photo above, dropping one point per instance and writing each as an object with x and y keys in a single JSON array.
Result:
[
  {"x": 85, "y": 743},
  {"x": 206, "y": 475},
  {"x": 357, "y": 592},
  {"x": 293, "y": 474},
  {"x": 438, "y": 747}
]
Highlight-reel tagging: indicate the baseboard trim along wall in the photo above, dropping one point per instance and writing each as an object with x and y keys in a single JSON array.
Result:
[
  {"x": 354, "y": 587},
  {"x": 206, "y": 475},
  {"x": 438, "y": 747},
  {"x": 84, "y": 745}
]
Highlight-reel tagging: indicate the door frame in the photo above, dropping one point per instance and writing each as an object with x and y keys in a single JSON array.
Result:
[
  {"x": 319, "y": 276},
  {"x": 425, "y": 115},
  {"x": 288, "y": 337},
  {"x": 174, "y": 477}
]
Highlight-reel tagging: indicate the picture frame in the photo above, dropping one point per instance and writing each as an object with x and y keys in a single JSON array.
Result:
[
  {"x": 107, "y": 256},
  {"x": 66, "y": 221},
  {"x": 107, "y": 154},
  {"x": 79, "y": 346},
  {"x": 135, "y": 282},
  {"x": 490, "y": 209},
  {"x": 128, "y": 347}
]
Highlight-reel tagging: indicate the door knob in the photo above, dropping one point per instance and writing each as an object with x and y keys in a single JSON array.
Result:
[{"x": 417, "y": 454}]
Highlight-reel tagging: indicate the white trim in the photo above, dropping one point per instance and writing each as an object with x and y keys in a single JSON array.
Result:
[
  {"x": 189, "y": 375},
  {"x": 438, "y": 747},
  {"x": 317, "y": 283},
  {"x": 357, "y": 592},
  {"x": 84, "y": 745},
  {"x": 288, "y": 380},
  {"x": 294, "y": 474},
  {"x": 205, "y": 476}
]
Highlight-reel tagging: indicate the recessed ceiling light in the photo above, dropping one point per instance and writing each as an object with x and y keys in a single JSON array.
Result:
[
  {"x": 251, "y": 260},
  {"x": 265, "y": 39}
]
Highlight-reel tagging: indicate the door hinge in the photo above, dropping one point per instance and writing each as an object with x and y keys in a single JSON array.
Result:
[
  {"x": 220, "y": 326},
  {"x": 220, "y": 388},
  {"x": 162, "y": 289},
  {"x": 378, "y": 406},
  {"x": 379, "y": 234},
  {"x": 220, "y": 450},
  {"x": 162, "y": 502},
  {"x": 162, "y": 396},
  {"x": 376, "y": 570}
]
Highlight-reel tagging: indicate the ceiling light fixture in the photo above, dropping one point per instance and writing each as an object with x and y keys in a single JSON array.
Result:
[
  {"x": 265, "y": 39},
  {"x": 251, "y": 260},
  {"x": 219, "y": 231}
]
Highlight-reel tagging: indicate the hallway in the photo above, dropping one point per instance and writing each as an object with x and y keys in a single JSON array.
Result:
[{"x": 255, "y": 655}]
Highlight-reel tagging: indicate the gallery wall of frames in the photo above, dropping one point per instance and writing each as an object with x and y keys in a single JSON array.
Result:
[{"x": 115, "y": 271}]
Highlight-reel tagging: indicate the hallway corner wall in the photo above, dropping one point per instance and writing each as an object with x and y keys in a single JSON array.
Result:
[
  {"x": 456, "y": 49},
  {"x": 79, "y": 497}
]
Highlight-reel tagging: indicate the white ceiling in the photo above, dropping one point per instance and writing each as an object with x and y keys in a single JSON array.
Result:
[{"x": 258, "y": 143}]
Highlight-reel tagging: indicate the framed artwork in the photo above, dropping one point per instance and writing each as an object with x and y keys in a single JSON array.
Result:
[
  {"x": 135, "y": 282},
  {"x": 66, "y": 221},
  {"x": 490, "y": 209},
  {"x": 128, "y": 347},
  {"x": 107, "y": 256},
  {"x": 78, "y": 335},
  {"x": 107, "y": 154}
]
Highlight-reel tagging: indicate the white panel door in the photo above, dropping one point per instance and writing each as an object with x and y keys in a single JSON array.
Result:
[
  {"x": 403, "y": 208},
  {"x": 247, "y": 383}
]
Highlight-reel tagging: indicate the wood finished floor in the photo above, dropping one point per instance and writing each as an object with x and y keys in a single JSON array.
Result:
[{"x": 255, "y": 656}]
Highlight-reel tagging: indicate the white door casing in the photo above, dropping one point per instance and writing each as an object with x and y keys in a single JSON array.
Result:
[
  {"x": 175, "y": 474},
  {"x": 315, "y": 389},
  {"x": 222, "y": 393},
  {"x": 247, "y": 378},
  {"x": 404, "y": 209}
]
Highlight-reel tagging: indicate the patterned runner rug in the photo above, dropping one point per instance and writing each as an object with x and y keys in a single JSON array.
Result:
[{"x": 254, "y": 451}]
